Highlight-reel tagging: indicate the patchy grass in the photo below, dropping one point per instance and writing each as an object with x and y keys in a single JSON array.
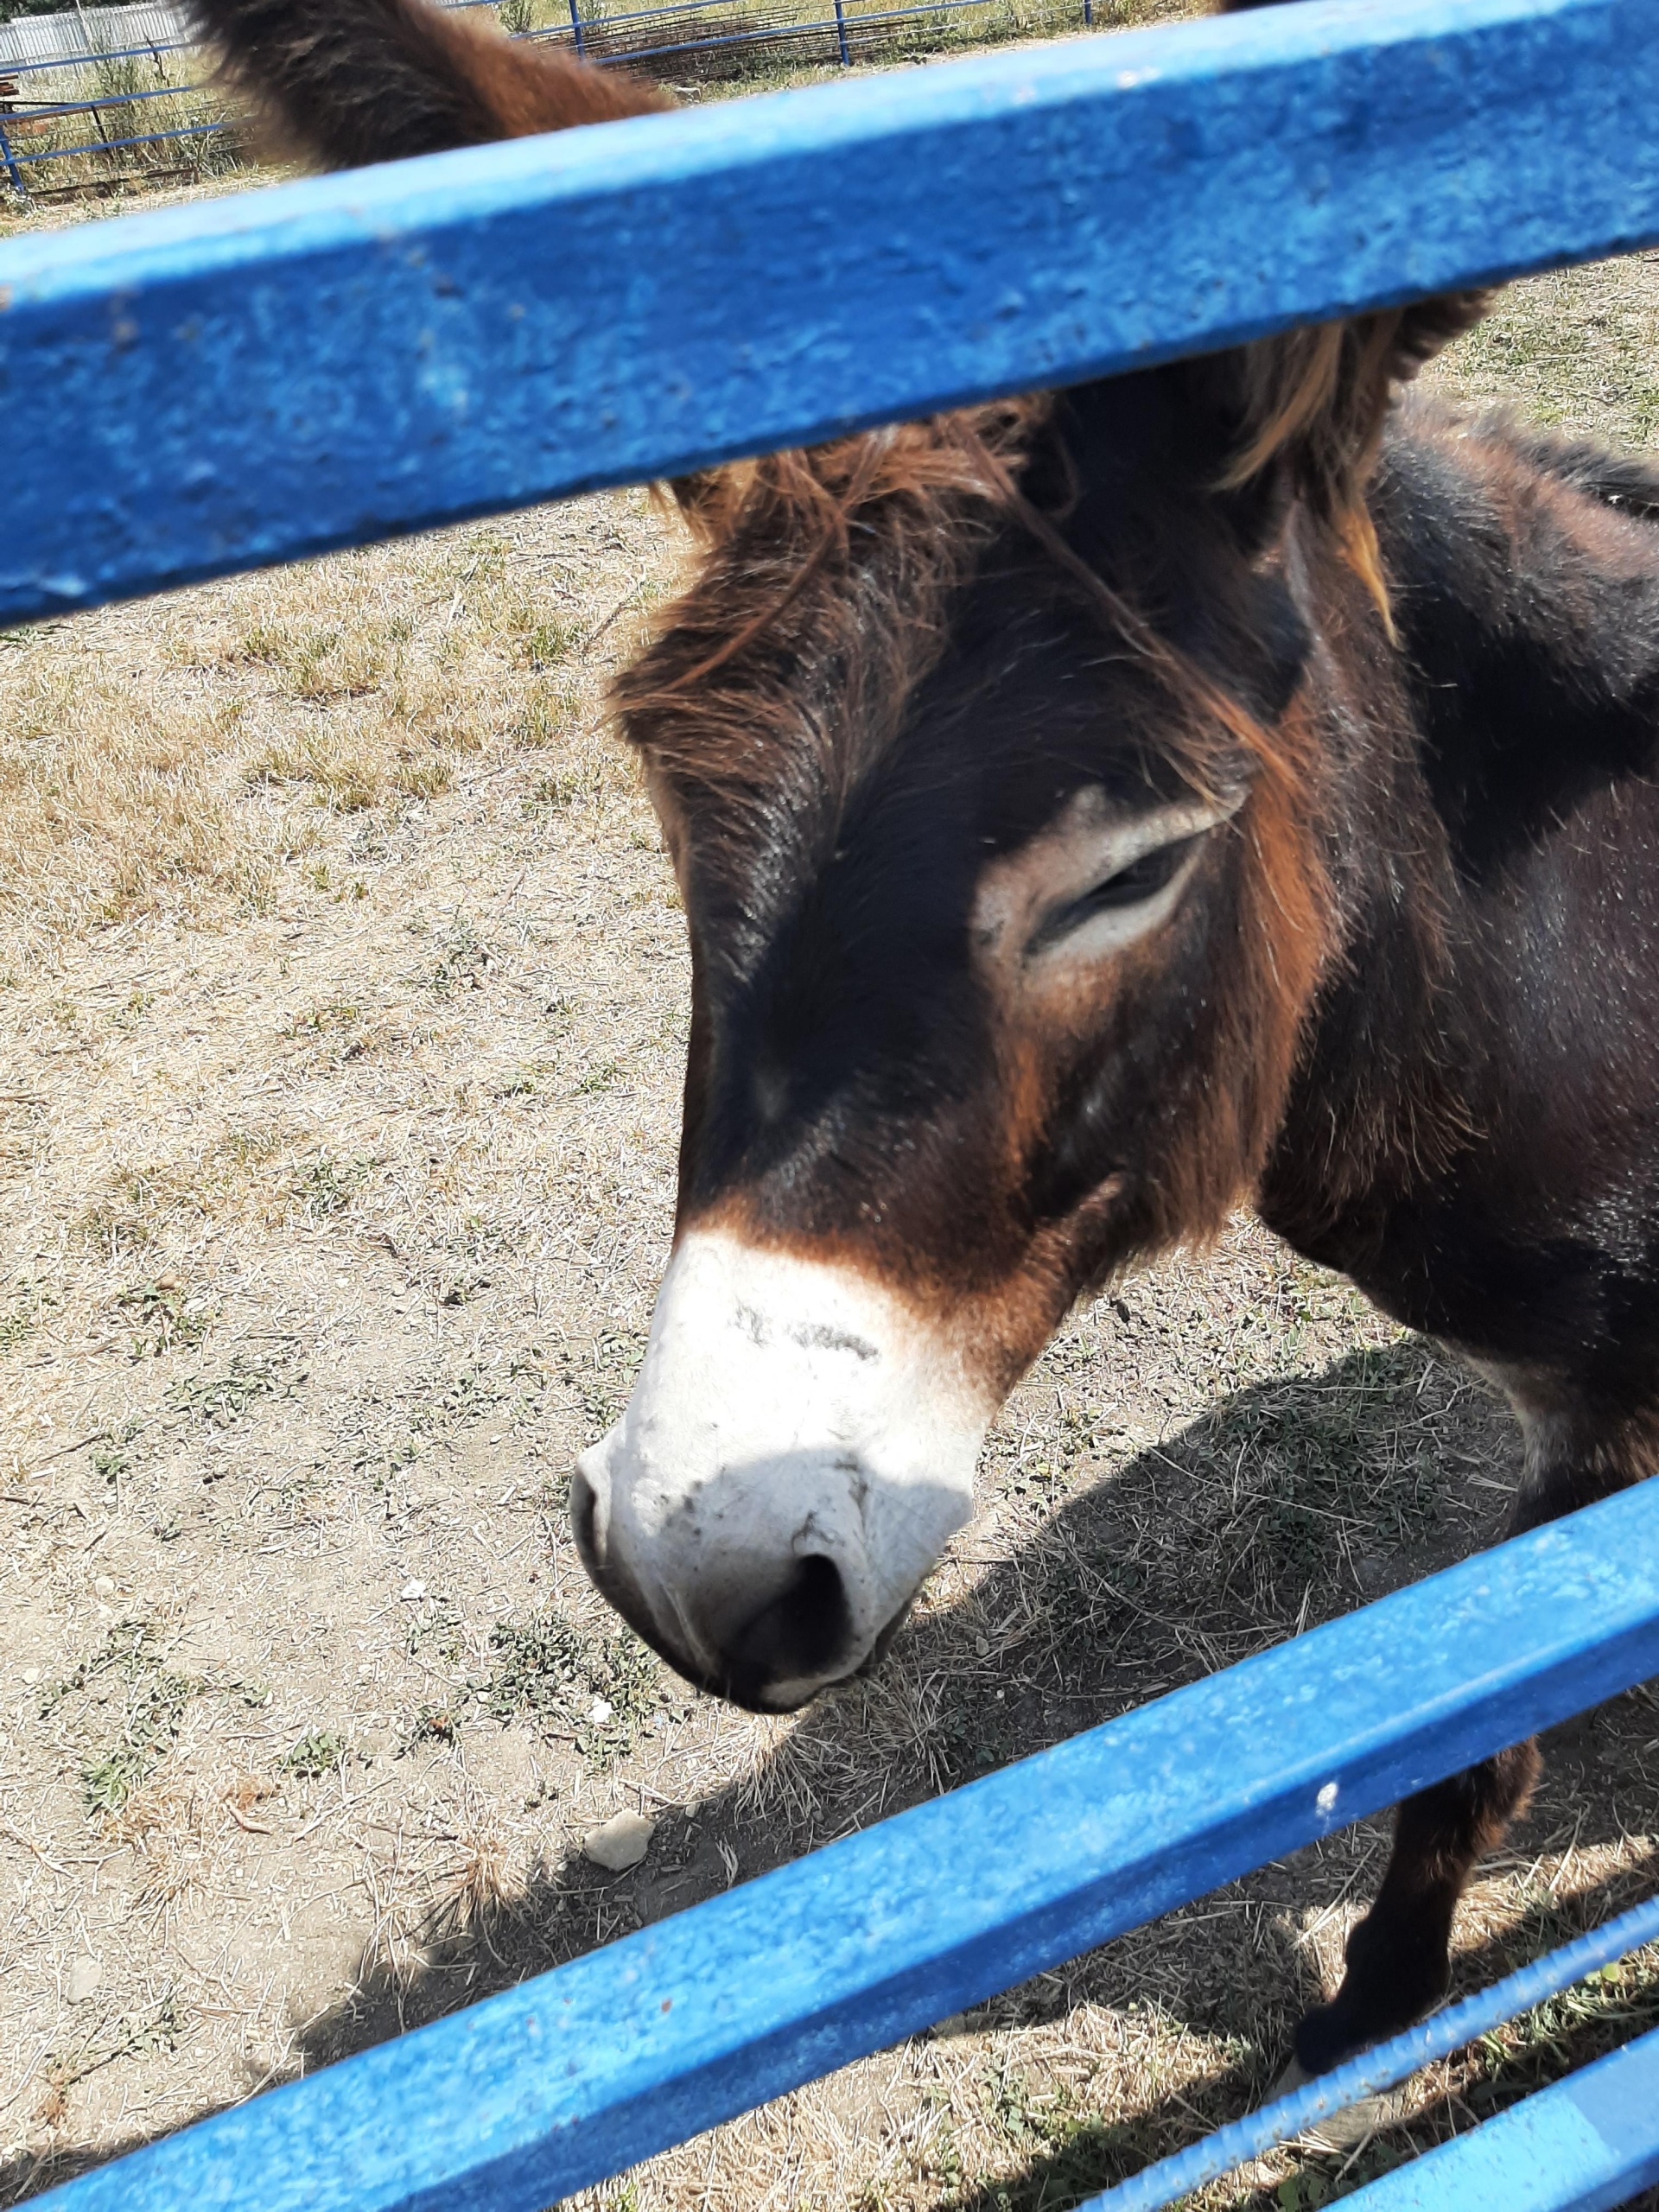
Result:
[
  {"x": 153, "y": 1700},
  {"x": 596, "y": 1691},
  {"x": 1578, "y": 348},
  {"x": 164, "y": 1317}
]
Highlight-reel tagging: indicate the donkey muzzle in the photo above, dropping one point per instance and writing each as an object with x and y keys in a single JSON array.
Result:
[{"x": 798, "y": 1450}]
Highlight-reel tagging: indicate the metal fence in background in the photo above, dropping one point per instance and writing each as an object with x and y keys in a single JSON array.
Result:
[
  {"x": 123, "y": 93},
  {"x": 89, "y": 32}
]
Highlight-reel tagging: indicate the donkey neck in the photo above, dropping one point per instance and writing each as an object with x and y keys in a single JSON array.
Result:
[{"x": 1523, "y": 687}]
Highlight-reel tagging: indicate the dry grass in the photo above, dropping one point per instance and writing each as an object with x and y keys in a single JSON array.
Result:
[
  {"x": 343, "y": 1007},
  {"x": 205, "y": 752}
]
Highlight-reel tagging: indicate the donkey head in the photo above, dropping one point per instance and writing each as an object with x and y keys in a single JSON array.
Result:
[
  {"x": 989, "y": 755},
  {"x": 986, "y": 754}
]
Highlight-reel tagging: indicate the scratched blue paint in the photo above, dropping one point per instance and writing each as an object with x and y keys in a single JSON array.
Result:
[
  {"x": 1584, "y": 2145},
  {"x": 242, "y": 381},
  {"x": 575, "y": 2076}
]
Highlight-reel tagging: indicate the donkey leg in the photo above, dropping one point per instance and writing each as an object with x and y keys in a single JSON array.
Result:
[{"x": 1398, "y": 1959}]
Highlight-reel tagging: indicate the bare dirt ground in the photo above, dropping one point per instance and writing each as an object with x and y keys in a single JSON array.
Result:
[{"x": 343, "y": 997}]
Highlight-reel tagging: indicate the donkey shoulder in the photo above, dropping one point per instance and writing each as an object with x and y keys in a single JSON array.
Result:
[{"x": 1524, "y": 577}]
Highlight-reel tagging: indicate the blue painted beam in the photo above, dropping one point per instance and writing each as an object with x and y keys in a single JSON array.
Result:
[
  {"x": 244, "y": 381},
  {"x": 1584, "y": 2145},
  {"x": 572, "y": 2077}
]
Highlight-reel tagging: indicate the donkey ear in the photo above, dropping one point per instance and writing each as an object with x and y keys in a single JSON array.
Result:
[
  {"x": 1317, "y": 395},
  {"x": 1311, "y": 405},
  {"x": 349, "y": 82},
  {"x": 1317, "y": 398}
]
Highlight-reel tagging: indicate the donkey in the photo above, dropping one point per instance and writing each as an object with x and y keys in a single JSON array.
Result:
[{"x": 1233, "y": 782}]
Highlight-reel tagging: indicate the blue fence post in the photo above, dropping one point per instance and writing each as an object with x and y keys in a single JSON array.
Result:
[
  {"x": 15, "y": 175},
  {"x": 1087, "y": 15},
  {"x": 576, "y": 25},
  {"x": 841, "y": 36}
]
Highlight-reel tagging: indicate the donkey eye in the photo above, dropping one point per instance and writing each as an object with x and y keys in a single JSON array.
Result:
[{"x": 1131, "y": 885}]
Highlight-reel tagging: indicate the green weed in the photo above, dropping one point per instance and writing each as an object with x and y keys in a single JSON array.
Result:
[
  {"x": 599, "y": 1687},
  {"x": 315, "y": 1755}
]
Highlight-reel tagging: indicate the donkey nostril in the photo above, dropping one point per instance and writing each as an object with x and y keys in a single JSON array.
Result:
[{"x": 801, "y": 1634}]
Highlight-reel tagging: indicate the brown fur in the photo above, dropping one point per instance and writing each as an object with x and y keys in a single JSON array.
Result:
[
  {"x": 1317, "y": 399},
  {"x": 381, "y": 79}
]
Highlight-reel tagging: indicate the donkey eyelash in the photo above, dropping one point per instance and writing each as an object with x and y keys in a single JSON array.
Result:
[{"x": 1132, "y": 885}]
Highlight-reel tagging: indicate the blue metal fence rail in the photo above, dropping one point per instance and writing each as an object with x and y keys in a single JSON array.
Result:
[
  {"x": 211, "y": 387},
  {"x": 200, "y": 391},
  {"x": 28, "y": 118},
  {"x": 1384, "y": 2066}
]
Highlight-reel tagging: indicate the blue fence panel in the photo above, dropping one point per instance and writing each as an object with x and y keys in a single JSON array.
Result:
[
  {"x": 15, "y": 156},
  {"x": 1584, "y": 2145},
  {"x": 115, "y": 145},
  {"x": 223, "y": 384},
  {"x": 579, "y": 2074},
  {"x": 620, "y": 44}
]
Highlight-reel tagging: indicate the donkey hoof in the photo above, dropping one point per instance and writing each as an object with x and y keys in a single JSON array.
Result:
[
  {"x": 1342, "y": 2130},
  {"x": 1324, "y": 2038},
  {"x": 1295, "y": 2077}
]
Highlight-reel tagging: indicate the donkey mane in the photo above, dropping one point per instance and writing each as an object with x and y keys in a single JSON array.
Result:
[
  {"x": 824, "y": 598},
  {"x": 1626, "y": 480}
]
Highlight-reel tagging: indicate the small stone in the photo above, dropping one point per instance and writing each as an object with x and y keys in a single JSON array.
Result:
[
  {"x": 413, "y": 1592},
  {"x": 31, "y": 1676},
  {"x": 82, "y": 1979},
  {"x": 104, "y": 1585},
  {"x": 601, "y": 1711},
  {"x": 982, "y": 1647},
  {"x": 618, "y": 1843}
]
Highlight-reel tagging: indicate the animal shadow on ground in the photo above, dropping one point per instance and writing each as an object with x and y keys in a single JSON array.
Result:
[{"x": 1288, "y": 1503}]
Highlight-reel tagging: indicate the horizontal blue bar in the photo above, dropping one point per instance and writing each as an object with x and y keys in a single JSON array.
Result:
[
  {"x": 1379, "y": 2068},
  {"x": 574, "y": 2076},
  {"x": 115, "y": 145},
  {"x": 211, "y": 387},
  {"x": 44, "y": 110},
  {"x": 1584, "y": 2145}
]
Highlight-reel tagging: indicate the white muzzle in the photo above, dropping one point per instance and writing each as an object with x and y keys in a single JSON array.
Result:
[{"x": 798, "y": 1449}]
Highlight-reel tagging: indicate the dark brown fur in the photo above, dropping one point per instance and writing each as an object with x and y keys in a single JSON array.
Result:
[
  {"x": 1427, "y": 653},
  {"x": 381, "y": 79}
]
